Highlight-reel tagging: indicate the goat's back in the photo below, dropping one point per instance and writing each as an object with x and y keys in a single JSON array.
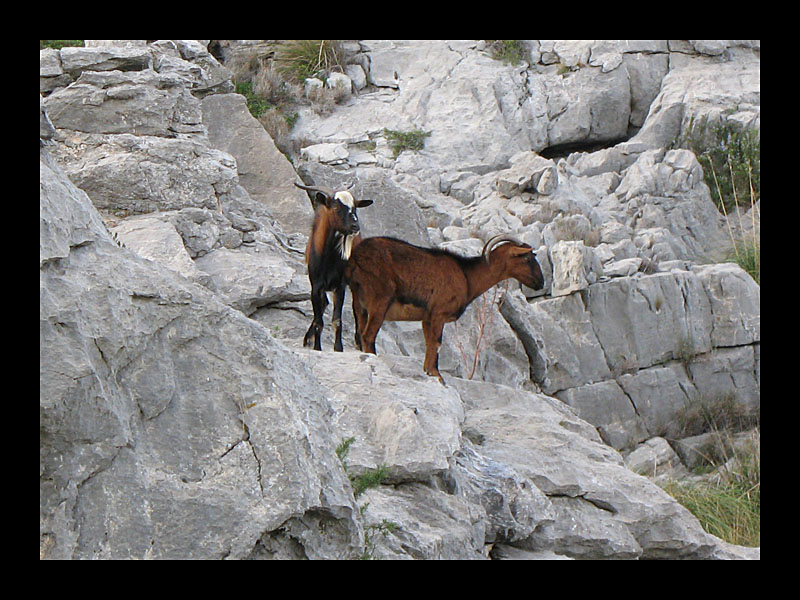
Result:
[{"x": 410, "y": 271}]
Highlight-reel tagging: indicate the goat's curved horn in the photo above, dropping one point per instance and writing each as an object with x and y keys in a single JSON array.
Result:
[
  {"x": 498, "y": 239},
  {"x": 316, "y": 188}
]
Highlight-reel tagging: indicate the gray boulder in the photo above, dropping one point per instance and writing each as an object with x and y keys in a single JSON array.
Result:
[
  {"x": 107, "y": 58},
  {"x": 137, "y": 102},
  {"x": 171, "y": 426},
  {"x": 263, "y": 171},
  {"x": 156, "y": 239},
  {"x": 132, "y": 174}
]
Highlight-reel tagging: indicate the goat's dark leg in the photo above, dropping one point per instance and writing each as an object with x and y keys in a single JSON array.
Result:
[
  {"x": 359, "y": 316},
  {"x": 319, "y": 301},
  {"x": 433, "y": 339},
  {"x": 375, "y": 318},
  {"x": 338, "y": 303}
]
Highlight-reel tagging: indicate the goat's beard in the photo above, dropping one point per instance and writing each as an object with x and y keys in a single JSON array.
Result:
[{"x": 346, "y": 245}]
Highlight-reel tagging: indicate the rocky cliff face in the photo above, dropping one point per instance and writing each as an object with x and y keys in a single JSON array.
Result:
[{"x": 181, "y": 418}]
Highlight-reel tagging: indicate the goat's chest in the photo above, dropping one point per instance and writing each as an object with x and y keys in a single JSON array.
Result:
[{"x": 327, "y": 269}]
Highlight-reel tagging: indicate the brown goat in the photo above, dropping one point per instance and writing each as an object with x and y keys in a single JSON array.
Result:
[
  {"x": 392, "y": 280},
  {"x": 334, "y": 234}
]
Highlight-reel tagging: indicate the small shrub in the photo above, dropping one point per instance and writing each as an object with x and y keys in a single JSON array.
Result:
[
  {"x": 298, "y": 60},
  {"x": 717, "y": 413},
  {"x": 368, "y": 479},
  {"x": 343, "y": 449},
  {"x": 384, "y": 528},
  {"x": 731, "y": 161},
  {"x": 509, "y": 51},
  {"x": 406, "y": 140},
  {"x": 275, "y": 123},
  {"x": 324, "y": 99},
  {"x": 270, "y": 85},
  {"x": 729, "y": 507},
  {"x": 746, "y": 252},
  {"x": 255, "y": 103},
  {"x": 685, "y": 351},
  {"x": 271, "y": 100},
  {"x": 729, "y": 504}
]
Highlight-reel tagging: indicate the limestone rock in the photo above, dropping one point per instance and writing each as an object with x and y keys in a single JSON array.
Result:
[
  {"x": 263, "y": 171},
  {"x": 162, "y": 410}
]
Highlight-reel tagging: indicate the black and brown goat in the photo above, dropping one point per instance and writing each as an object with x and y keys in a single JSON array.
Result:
[
  {"x": 392, "y": 280},
  {"x": 334, "y": 234}
]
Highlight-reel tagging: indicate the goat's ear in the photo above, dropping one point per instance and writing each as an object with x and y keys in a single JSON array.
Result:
[
  {"x": 323, "y": 199},
  {"x": 363, "y": 203}
]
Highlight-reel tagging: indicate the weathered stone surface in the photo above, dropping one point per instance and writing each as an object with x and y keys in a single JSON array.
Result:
[
  {"x": 129, "y": 174},
  {"x": 156, "y": 239},
  {"x": 427, "y": 524},
  {"x": 735, "y": 304},
  {"x": 108, "y": 58},
  {"x": 412, "y": 431},
  {"x": 572, "y": 267},
  {"x": 514, "y": 508},
  {"x": 529, "y": 172},
  {"x": 173, "y": 426},
  {"x": 137, "y": 102},
  {"x": 253, "y": 277},
  {"x": 263, "y": 171},
  {"x": 545, "y": 442},
  {"x": 606, "y": 406},
  {"x": 703, "y": 88},
  {"x": 163, "y": 411},
  {"x": 656, "y": 459},
  {"x": 559, "y": 339}
]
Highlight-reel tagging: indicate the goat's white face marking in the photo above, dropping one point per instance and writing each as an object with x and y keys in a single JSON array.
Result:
[
  {"x": 346, "y": 198},
  {"x": 346, "y": 241}
]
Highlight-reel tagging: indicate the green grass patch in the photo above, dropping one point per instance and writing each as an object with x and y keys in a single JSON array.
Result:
[
  {"x": 728, "y": 502},
  {"x": 58, "y": 44},
  {"x": 406, "y": 140},
  {"x": 729, "y": 510},
  {"x": 747, "y": 254},
  {"x": 257, "y": 105}
]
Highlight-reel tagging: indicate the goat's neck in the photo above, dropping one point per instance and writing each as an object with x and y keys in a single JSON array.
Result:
[{"x": 480, "y": 278}]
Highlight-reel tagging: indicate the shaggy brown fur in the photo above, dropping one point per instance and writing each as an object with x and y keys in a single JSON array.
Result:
[{"x": 392, "y": 280}]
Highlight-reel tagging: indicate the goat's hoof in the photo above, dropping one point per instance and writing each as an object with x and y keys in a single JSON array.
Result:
[{"x": 437, "y": 375}]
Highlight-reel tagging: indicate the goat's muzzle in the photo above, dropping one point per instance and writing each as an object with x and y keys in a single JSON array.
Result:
[
  {"x": 352, "y": 224},
  {"x": 536, "y": 280}
]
